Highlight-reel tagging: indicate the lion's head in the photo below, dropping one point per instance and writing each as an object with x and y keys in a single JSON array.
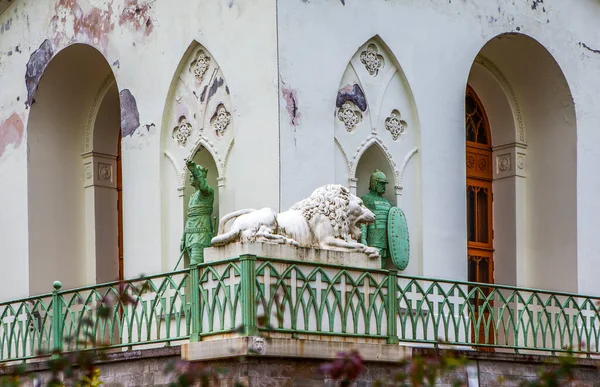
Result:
[{"x": 346, "y": 212}]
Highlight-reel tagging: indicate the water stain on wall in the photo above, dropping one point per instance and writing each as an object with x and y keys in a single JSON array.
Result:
[
  {"x": 11, "y": 132},
  {"x": 78, "y": 21},
  {"x": 137, "y": 15}
]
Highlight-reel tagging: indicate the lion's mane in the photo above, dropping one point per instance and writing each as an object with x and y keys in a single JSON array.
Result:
[{"x": 332, "y": 201}]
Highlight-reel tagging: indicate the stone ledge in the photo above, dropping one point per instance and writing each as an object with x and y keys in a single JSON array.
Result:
[
  {"x": 508, "y": 357},
  {"x": 40, "y": 364},
  {"x": 290, "y": 348},
  {"x": 287, "y": 252}
]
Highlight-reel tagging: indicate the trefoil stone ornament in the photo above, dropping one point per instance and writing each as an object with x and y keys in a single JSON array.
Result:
[
  {"x": 349, "y": 115},
  {"x": 395, "y": 125},
  {"x": 372, "y": 60},
  {"x": 182, "y": 131},
  {"x": 200, "y": 65},
  {"x": 221, "y": 120}
]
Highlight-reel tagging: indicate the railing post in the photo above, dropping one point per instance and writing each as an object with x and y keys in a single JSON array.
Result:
[
  {"x": 196, "y": 326},
  {"x": 392, "y": 291},
  {"x": 248, "y": 295},
  {"x": 57, "y": 315}
]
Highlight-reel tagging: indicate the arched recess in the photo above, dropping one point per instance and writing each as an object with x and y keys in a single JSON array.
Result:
[
  {"x": 376, "y": 126},
  {"x": 533, "y": 126},
  {"x": 198, "y": 124},
  {"x": 375, "y": 158},
  {"x": 73, "y": 136}
]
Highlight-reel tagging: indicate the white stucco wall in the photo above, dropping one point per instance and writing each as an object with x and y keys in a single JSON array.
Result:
[{"x": 283, "y": 62}]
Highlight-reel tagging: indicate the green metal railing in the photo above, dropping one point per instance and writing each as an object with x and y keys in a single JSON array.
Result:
[{"x": 251, "y": 295}]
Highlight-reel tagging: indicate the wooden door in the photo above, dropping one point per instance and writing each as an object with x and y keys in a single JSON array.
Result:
[
  {"x": 480, "y": 234},
  {"x": 120, "y": 206}
]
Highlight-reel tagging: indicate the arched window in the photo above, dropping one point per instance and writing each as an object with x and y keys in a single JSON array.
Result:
[{"x": 479, "y": 191}]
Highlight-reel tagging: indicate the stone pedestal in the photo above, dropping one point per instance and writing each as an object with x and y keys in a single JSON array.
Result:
[
  {"x": 290, "y": 348},
  {"x": 292, "y": 253}
]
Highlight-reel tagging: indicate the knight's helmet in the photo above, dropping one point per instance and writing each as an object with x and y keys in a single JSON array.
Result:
[{"x": 377, "y": 177}]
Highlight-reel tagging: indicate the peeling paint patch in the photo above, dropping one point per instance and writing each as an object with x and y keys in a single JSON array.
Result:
[
  {"x": 6, "y": 26},
  {"x": 130, "y": 116},
  {"x": 71, "y": 22},
  {"x": 538, "y": 3},
  {"x": 137, "y": 15},
  {"x": 203, "y": 94},
  {"x": 291, "y": 105},
  {"x": 11, "y": 132},
  {"x": 581, "y": 44},
  {"x": 218, "y": 82},
  {"x": 140, "y": 138},
  {"x": 352, "y": 93},
  {"x": 38, "y": 61}
]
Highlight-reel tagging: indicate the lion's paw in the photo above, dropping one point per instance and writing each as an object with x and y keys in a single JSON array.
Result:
[{"x": 372, "y": 252}]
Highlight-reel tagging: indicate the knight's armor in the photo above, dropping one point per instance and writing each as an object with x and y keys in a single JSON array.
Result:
[
  {"x": 198, "y": 230},
  {"x": 376, "y": 234}
]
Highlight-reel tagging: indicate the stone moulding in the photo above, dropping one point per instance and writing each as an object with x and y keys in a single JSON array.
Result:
[
  {"x": 291, "y": 348},
  {"x": 506, "y": 86},
  {"x": 281, "y": 251}
]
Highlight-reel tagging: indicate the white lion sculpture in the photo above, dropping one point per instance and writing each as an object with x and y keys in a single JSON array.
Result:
[{"x": 330, "y": 218}]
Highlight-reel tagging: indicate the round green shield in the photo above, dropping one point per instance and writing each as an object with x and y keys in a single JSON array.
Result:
[{"x": 398, "y": 240}]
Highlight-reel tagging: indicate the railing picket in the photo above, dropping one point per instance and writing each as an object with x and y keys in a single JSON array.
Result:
[
  {"x": 57, "y": 318},
  {"x": 392, "y": 297}
]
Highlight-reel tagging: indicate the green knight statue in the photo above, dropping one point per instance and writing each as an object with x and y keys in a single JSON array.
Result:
[
  {"x": 376, "y": 234},
  {"x": 198, "y": 230}
]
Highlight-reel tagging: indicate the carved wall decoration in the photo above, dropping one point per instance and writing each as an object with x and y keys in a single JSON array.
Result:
[
  {"x": 368, "y": 112},
  {"x": 372, "y": 60},
  {"x": 509, "y": 160},
  {"x": 88, "y": 171},
  {"x": 104, "y": 171},
  {"x": 395, "y": 125},
  {"x": 504, "y": 163},
  {"x": 376, "y": 126},
  {"x": 350, "y": 115},
  {"x": 521, "y": 161},
  {"x": 200, "y": 65},
  {"x": 98, "y": 169},
  {"x": 198, "y": 114},
  {"x": 182, "y": 131},
  {"x": 221, "y": 119}
]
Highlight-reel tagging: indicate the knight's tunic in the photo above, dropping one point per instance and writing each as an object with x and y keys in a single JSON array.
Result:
[
  {"x": 377, "y": 231},
  {"x": 198, "y": 227}
]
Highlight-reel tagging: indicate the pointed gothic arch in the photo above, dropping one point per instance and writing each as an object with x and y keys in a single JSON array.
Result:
[
  {"x": 197, "y": 124},
  {"x": 376, "y": 126}
]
